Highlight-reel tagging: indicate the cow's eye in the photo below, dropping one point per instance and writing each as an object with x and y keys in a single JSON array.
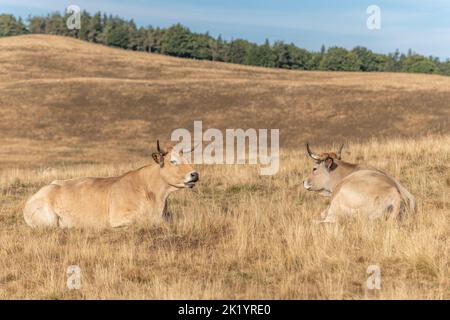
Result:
[
  {"x": 314, "y": 169},
  {"x": 174, "y": 162}
]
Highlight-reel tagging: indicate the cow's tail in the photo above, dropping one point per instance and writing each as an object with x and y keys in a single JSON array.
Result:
[{"x": 408, "y": 202}]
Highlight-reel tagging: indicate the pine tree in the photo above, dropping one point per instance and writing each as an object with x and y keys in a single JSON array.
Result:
[
  {"x": 178, "y": 41},
  {"x": 339, "y": 59},
  {"x": 55, "y": 24},
  {"x": 217, "y": 49},
  {"x": 282, "y": 55},
  {"x": 95, "y": 28},
  {"x": 36, "y": 24},
  {"x": 85, "y": 20},
  {"x": 133, "y": 35},
  {"x": 10, "y": 26},
  {"x": 238, "y": 51}
]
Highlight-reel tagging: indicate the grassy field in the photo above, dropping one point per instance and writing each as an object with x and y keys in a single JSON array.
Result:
[
  {"x": 240, "y": 235},
  {"x": 72, "y": 109}
]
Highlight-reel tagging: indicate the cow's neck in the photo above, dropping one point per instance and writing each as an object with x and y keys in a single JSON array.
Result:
[
  {"x": 343, "y": 170},
  {"x": 157, "y": 190}
]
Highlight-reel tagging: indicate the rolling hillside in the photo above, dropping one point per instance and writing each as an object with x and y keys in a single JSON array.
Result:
[{"x": 61, "y": 98}]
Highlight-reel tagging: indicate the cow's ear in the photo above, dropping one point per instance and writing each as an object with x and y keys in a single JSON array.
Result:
[
  {"x": 329, "y": 163},
  {"x": 157, "y": 157}
]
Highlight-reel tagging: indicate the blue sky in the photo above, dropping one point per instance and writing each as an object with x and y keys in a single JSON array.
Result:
[{"x": 423, "y": 25}]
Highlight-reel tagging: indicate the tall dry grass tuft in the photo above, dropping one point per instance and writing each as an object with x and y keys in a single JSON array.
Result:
[{"x": 241, "y": 235}]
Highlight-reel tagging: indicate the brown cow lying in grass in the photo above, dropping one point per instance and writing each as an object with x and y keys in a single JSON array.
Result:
[
  {"x": 356, "y": 188},
  {"x": 140, "y": 194}
]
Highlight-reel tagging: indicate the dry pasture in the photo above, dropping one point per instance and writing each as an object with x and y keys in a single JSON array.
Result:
[
  {"x": 241, "y": 235},
  {"x": 73, "y": 109}
]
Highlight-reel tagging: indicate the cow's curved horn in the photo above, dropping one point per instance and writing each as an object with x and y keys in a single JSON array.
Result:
[
  {"x": 161, "y": 151},
  {"x": 340, "y": 152},
  {"x": 311, "y": 154}
]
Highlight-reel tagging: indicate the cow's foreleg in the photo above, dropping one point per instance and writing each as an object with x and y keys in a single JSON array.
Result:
[
  {"x": 327, "y": 217},
  {"x": 166, "y": 214}
]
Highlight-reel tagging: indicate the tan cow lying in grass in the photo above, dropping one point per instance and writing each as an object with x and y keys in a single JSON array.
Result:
[
  {"x": 113, "y": 201},
  {"x": 356, "y": 188}
]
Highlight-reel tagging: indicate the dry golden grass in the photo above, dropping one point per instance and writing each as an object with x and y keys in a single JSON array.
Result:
[
  {"x": 241, "y": 235},
  {"x": 73, "y": 109},
  {"x": 70, "y": 96}
]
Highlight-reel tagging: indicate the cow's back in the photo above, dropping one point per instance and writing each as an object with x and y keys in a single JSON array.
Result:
[
  {"x": 367, "y": 191},
  {"x": 83, "y": 202}
]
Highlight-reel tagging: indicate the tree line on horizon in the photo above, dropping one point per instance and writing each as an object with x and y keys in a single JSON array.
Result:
[{"x": 179, "y": 41}]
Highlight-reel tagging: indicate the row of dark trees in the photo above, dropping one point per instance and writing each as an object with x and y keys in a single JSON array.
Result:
[{"x": 179, "y": 41}]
